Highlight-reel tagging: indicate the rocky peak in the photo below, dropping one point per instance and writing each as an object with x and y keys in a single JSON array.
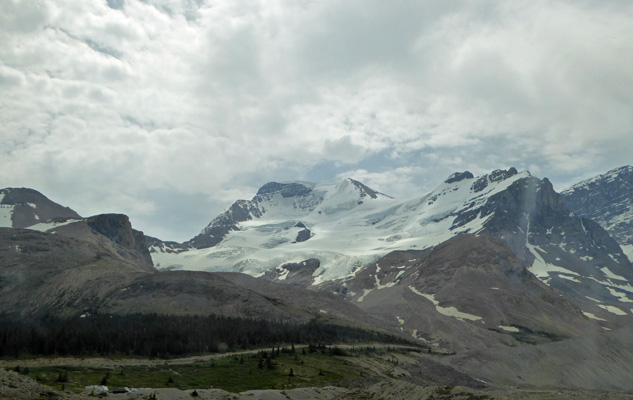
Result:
[
  {"x": 365, "y": 190},
  {"x": 26, "y": 207},
  {"x": 290, "y": 189},
  {"x": 497, "y": 175},
  {"x": 220, "y": 226},
  {"x": 459, "y": 176},
  {"x": 117, "y": 228}
]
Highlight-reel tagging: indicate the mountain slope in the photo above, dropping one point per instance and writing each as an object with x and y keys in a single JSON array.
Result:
[
  {"x": 43, "y": 273},
  {"x": 100, "y": 265},
  {"x": 466, "y": 293},
  {"x": 608, "y": 200}
]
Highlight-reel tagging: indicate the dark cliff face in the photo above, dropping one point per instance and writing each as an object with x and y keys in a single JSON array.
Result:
[
  {"x": 495, "y": 176},
  {"x": 459, "y": 176},
  {"x": 608, "y": 200},
  {"x": 117, "y": 228},
  {"x": 31, "y": 207},
  {"x": 216, "y": 231},
  {"x": 530, "y": 211}
]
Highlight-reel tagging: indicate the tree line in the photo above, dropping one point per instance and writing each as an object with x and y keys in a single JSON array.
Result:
[{"x": 153, "y": 335}]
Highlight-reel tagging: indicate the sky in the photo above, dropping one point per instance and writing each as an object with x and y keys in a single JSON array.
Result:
[{"x": 168, "y": 111}]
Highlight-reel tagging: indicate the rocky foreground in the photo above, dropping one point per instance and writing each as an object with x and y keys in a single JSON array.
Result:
[{"x": 14, "y": 386}]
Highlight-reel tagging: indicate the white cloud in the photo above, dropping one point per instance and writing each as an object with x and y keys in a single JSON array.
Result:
[{"x": 215, "y": 98}]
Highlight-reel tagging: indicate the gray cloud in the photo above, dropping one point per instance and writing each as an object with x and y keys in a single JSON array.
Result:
[
  {"x": 134, "y": 106},
  {"x": 116, "y": 4}
]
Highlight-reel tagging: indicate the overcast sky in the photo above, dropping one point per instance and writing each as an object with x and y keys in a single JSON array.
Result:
[{"x": 169, "y": 110}]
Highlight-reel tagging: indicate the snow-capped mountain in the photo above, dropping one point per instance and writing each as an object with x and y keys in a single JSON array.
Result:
[
  {"x": 608, "y": 200},
  {"x": 335, "y": 230},
  {"x": 22, "y": 207}
]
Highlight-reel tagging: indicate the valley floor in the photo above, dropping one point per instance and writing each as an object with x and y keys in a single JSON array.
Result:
[{"x": 379, "y": 372}]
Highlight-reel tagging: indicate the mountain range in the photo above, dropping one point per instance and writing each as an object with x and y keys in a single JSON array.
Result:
[{"x": 477, "y": 268}]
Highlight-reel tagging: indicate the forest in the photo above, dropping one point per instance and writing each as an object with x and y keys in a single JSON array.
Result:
[{"x": 152, "y": 335}]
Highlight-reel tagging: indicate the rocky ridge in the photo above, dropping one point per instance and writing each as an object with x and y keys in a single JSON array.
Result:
[{"x": 608, "y": 200}]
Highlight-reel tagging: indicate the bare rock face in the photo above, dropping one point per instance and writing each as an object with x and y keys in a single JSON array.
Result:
[
  {"x": 300, "y": 273},
  {"x": 531, "y": 211},
  {"x": 608, "y": 200},
  {"x": 117, "y": 228},
  {"x": 214, "y": 233},
  {"x": 29, "y": 207},
  {"x": 459, "y": 176}
]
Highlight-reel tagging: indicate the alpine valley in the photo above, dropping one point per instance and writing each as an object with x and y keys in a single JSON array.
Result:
[{"x": 504, "y": 281}]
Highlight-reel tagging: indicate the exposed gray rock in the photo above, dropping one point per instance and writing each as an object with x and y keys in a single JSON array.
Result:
[
  {"x": 117, "y": 228},
  {"x": 459, "y": 176},
  {"x": 495, "y": 176},
  {"x": 303, "y": 235},
  {"x": 300, "y": 273},
  {"x": 608, "y": 200},
  {"x": 366, "y": 191},
  {"x": 214, "y": 233}
]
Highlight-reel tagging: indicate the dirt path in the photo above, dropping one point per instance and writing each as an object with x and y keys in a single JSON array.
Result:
[{"x": 103, "y": 362}]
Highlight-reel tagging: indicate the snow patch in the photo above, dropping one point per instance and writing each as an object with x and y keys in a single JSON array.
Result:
[
  {"x": 448, "y": 311},
  {"x": 628, "y": 251},
  {"x": 569, "y": 278},
  {"x": 365, "y": 293},
  {"x": 592, "y": 299},
  {"x": 612, "y": 309},
  {"x": 6, "y": 212},
  {"x": 47, "y": 226},
  {"x": 592, "y": 316},
  {"x": 607, "y": 272},
  {"x": 620, "y": 296},
  {"x": 509, "y": 328},
  {"x": 540, "y": 268}
]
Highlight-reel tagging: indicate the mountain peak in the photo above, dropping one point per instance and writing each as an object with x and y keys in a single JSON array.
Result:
[
  {"x": 497, "y": 175},
  {"x": 286, "y": 189},
  {"x": 607, "y": 177},
  {"x": 366, "y": 190},
  {"x": 459, "y": 176},
  {"x": 24, "y": 207}
]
